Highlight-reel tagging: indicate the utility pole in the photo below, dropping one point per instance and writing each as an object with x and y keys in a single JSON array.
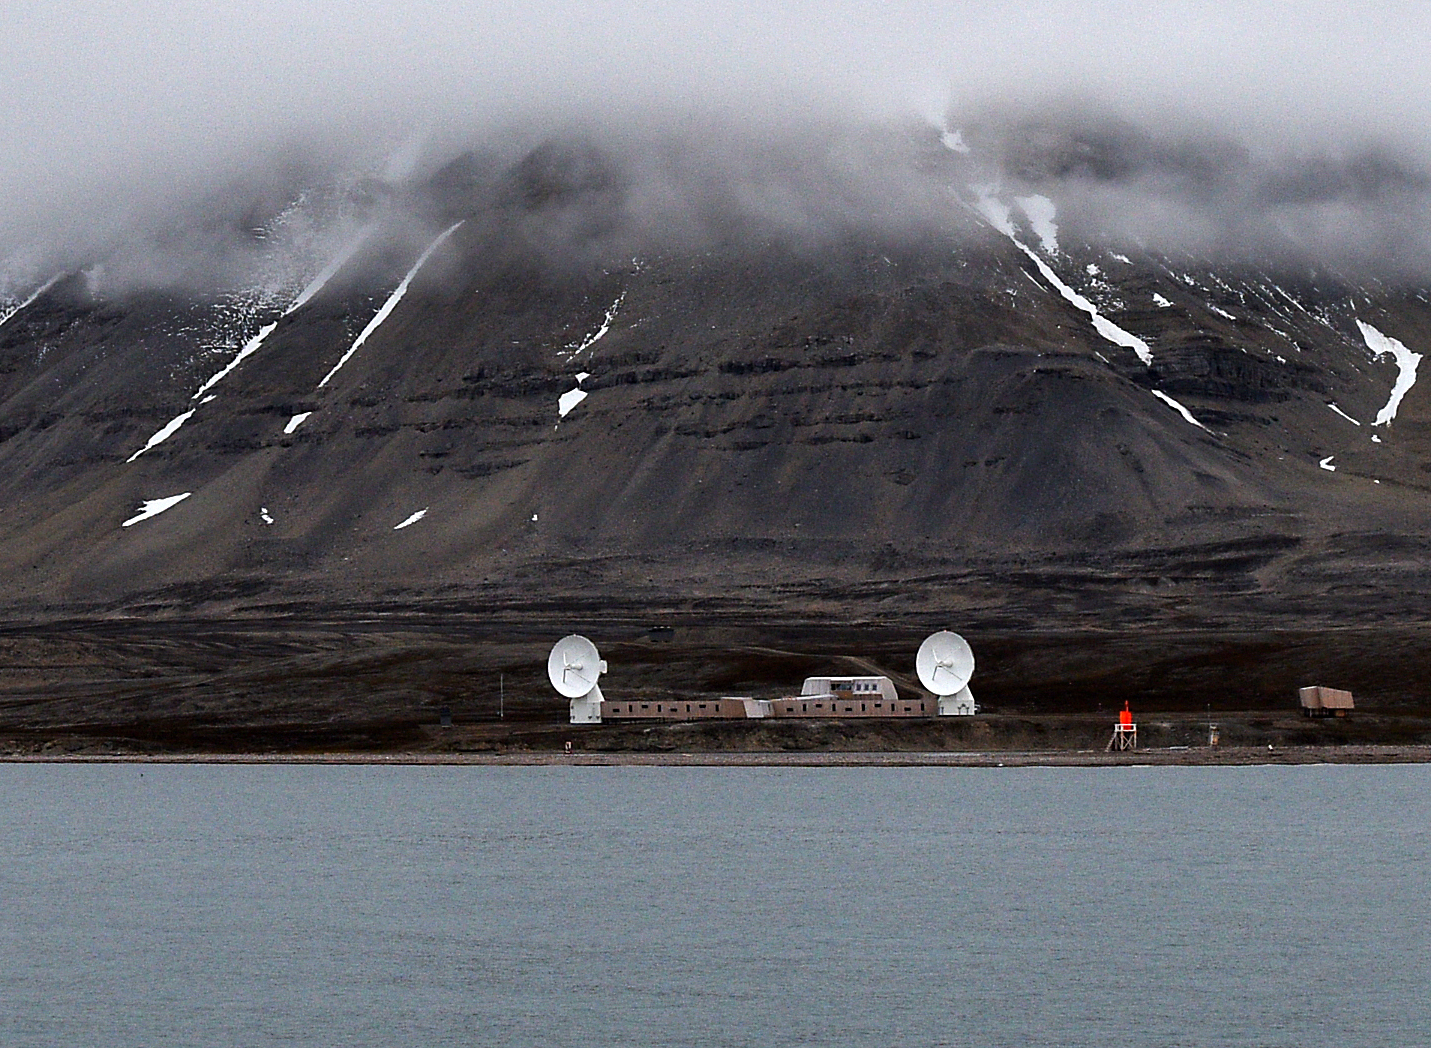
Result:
[{"x": 501, "y": 696}]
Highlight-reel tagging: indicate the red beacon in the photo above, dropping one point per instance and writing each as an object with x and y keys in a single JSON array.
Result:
[{"x": 1125, "y": 732}]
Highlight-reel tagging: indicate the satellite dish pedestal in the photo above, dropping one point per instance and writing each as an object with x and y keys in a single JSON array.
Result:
[
  {"x": 960, "y": 704},
  {"x": 945, "y": 663},
  {"x": 573, "y": 667},
  {"x": 587, "y": 709}
]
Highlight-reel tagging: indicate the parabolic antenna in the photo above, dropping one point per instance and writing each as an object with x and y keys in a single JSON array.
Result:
[
  {"x": 574, "y": 665},
  {"x": 945, "y": 663}
]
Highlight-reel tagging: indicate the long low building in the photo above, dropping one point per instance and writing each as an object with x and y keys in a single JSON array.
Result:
[
  {"x": 820, "y": 697},
  {"x": 683, "y": 709}
]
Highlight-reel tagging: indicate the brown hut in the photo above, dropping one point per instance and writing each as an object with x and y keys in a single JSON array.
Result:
[{"x": 1325, "y": 702}]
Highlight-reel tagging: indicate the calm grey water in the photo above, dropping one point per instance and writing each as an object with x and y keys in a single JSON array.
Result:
[{"x": 291, "y": 905}]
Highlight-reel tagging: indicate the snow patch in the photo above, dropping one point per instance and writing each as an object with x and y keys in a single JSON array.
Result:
[
  {"x": 1326, "y": 464},
  {"x": 1041, "y": 213},
  {"x": 1342, "y": 413},
  {"x": 153, "y": 507},
  {"x": 391, "y": 303},
  {"x": 1092, "y": 270},
  {"x": 1184, "y": 412},
  {"x": 263, "y": 515},
  {"x": 1160, "y": 301},
  {"x": 1406, "y": 363},
  {"x": 1221, "y": 312},
  {"x": 1122, "y": 258},
  {"x": 170, "y": 428},
  {"x": 295, "y": 422},
  {"x": 954, "y": 142},
  {"x": 411, "y": 520},
  {"x": 570, "y": 399},
  {"x": 576, "y": 349}
]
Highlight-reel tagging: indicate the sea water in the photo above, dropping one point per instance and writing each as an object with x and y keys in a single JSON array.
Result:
[{"x": 211, "y": 905}]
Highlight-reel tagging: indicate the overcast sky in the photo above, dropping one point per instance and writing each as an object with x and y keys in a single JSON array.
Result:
[{"x": 102, "y": 97}]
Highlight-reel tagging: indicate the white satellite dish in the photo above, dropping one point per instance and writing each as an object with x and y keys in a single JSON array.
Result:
[
  {"x": 573, "y": 667},
  {"x": 945, "y": 663}
]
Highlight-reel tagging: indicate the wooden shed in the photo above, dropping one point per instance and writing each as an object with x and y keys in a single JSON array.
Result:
[{"x": 1325, "y": 702}]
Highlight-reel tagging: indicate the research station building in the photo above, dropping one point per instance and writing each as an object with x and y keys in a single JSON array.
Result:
[{"x": 844, "y": 697}]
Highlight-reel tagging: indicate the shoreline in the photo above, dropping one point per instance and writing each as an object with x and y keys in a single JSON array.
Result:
[{"x": 1228, "y": 756}]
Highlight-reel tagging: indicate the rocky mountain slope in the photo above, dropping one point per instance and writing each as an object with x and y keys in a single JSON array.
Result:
[{"x": 531, "y": 386}]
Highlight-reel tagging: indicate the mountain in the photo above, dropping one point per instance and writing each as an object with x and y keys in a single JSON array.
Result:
[{"x": 590, "y": 387}]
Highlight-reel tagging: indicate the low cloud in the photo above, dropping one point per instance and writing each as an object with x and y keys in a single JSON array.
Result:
[{"x": 1219, "y": 127}]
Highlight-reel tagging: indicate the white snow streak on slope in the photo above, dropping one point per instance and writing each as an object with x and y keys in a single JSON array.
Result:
[
  {"x": 31, "y": 300},
  {"x": 247, "y": 350},
  {"x": 1041, "y": 213},
  {"x": 154, "y": 507},
  {"x": 170, "y": 428},
  {"x": 1184, "y": 412},
  {"x": 1122, "y": 258},
  {"x": 998, "y": 216},
  {"x": 577, "y": 350},
  {"x": 1326, "y": 464},
  {"x": 390, "y": 304},
  {"x": 264, "y": 515},
  {"x": 1340, "y": 412},
  {"x": 314, "y": 286},
  {"x": 1221, "y": 312},
  {"x": 997, "y": 212},
  {"x": 253, "y": 344},
  {"x": 328, "y": 272},
  {"x": 411, "y": 520},
  {"x": 1160, "y": 301},
  {"x": 1381, "y": 345},
  {"x": 295, "y": 422}
]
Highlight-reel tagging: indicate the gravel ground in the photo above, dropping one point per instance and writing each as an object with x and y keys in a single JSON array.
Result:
[{"x": 1229, "y": 755}]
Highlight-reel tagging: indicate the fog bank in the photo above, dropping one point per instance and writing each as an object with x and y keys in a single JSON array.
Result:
[{"x": 1255, "y": 119}]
